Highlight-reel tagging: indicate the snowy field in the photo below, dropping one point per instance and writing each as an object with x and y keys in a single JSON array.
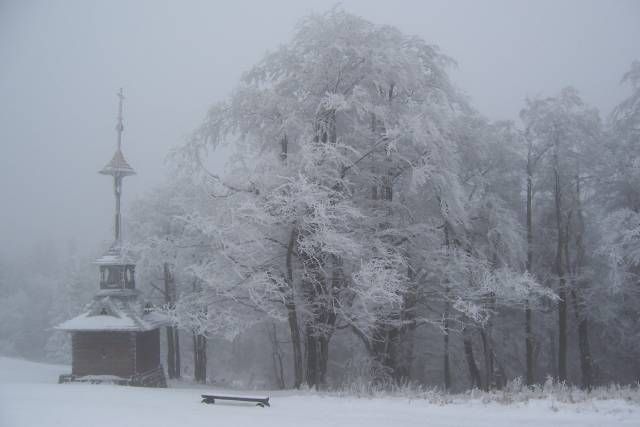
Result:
[{"x": 29, "y": 396}]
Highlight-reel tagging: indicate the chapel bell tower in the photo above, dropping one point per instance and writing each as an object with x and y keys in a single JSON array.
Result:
[{"x": 115, "y": 272}]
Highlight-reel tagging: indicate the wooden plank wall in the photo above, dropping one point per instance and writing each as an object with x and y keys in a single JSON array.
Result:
[{"x": 103, "y": 353}]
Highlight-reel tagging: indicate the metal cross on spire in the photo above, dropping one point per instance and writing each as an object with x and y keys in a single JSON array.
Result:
[{"x": 119, "y": 125}]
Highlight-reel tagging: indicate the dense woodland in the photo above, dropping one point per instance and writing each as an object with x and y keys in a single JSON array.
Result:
[{"x": 371, "y": 227}]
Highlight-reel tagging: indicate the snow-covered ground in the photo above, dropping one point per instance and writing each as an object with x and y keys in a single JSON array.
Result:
[{"x": 29, "y": 396}]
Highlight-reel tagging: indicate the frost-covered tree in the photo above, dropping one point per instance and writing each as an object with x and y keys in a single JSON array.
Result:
[
  {"x": 346, "y": 173},
  {"x": 619, "y": 198},
  {"x": 493, "y": 241},
  {"x": 156, "y": 235},
  {"x": 167, "y": 248},
  {"x": 336, "y": 118},
  {"x": 570, "y": 131}
]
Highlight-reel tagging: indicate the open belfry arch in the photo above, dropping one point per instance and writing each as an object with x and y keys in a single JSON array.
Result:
[{"x": 117, "y": 338}]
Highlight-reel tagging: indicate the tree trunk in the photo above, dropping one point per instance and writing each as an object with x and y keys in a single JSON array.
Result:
[
  {"x": 405, "y": 343},
  {"x": 447, "y": 366},
  {"x": 176, "y": 347},
  {"x": 323, "y": 360},
  {"x": 527, "y": 311},
  {"x": 170, "y": 353},
  {"x": 489, "y": 359},
  {"x": 562, "y": 332},
  {"x": 562, "y": 291},
  {"x": 311, "y": 350},
  {"x": 445, "y": 326},
  {"x": 317, "y": 352},
  {"x": 381, "y": 351},
  {"x": 196, "y": 355},
  {"x": 392, "y": 342},
  {"x": 529, "y": 344},
  {"x": 200, "y": 358},
  {"x": 289, "y": 294},
  {"x": 553, "y": 353},
  {"x": 173, "y": 343},
  {"x": 199, "y": 351},
  {"x": 486, "y": 336},
  {"x": 296, "y": 343},
  {"x": 292, "y": 315},
  {"x": 203, "y": 358},
  {"x": 311, "y": 285},
  {"x": 474, "y": 372},
  {"x": 276, "y": 353},
  {"x": 318, "y": 291},
  {"x": 586, "y": 367},
  {"x": 586, "y": 362}
]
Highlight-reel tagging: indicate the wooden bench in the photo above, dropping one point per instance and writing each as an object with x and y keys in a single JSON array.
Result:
[{"x": 259, "y": 401}]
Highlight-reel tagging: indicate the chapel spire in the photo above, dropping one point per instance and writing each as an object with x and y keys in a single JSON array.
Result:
[{"x": 118, "y": 168}]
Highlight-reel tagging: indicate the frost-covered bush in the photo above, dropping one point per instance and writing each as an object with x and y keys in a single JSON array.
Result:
[{"x": 514, "y": 392}]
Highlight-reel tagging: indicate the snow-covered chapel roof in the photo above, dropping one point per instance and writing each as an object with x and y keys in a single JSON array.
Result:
[{"x": 117, "y": 310}]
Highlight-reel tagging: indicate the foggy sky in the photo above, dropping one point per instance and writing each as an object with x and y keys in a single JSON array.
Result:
[{"x": 61, "y": 63}]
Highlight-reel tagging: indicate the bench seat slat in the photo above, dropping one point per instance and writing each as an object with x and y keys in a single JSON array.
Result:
[{"x": 210, "y": 398}]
